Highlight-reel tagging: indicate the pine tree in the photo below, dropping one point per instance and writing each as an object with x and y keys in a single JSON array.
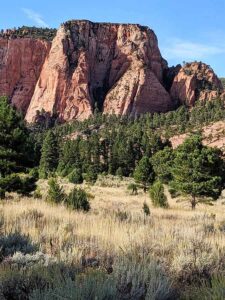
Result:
[
  {"x": 157, "y": 195},
  {"x": 75, "y": 176},
  {"x": 55, "y": 192},
  {"x": 78, "y": 200},
  {"x": 91, "y": 176},
  {"x": 49, "y": 156},
  {"x": 162, "y": 162},
  {"x": 198, "y": 171},
  {"x": 14, "y": 152},
  {"x": 143, "y": 173}
]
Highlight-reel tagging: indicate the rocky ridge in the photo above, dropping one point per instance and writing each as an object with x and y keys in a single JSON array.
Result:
[{"x": 116, "y": 68}]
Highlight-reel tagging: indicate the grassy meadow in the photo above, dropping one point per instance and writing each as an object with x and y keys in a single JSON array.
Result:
[{"x": 114, "y": 251}]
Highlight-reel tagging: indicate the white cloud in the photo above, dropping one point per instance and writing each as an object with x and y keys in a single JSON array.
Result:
[
  {"x": 190, "y": 50},
  {"x": 34, "y": 16}
]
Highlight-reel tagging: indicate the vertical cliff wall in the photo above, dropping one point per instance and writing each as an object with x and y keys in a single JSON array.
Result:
[
  {"x": 21, "y": 62},
  {"x": 117, "y": 68}
]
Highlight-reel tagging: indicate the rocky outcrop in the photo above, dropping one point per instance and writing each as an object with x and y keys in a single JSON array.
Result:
[
  {"x": 115, "y": 67},
  {"x": 195, "y": 81},
  {"x": 21, "y": 62}
]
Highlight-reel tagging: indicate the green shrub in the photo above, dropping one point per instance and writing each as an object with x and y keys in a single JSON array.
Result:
[
  {"x": 215, "y": 290},
  {"x": 2, "y": 193},
  {"x": 37, "y": 194},
  {"x": 146, "y": 209},
  {"x": 78, "y": 200},
  {"x": 157, "y": 195},
  {"x": 17, "y": 283},
  {"x": 91, "y": 286},
  {"x": 132, "y": 187},
  {"x": 140, "y": 277},
  {"x": 119, "y": 173},
  {"x": 55, "y": 192},
  {"x": 174, "y": 193},
  {"x": 66, "y": 171},
  {"x": 28, "y": 185},
  {"x": 34, "y": 173},
  {"x": 91, "y": 175},
  {"x": 76, "y": 176}
]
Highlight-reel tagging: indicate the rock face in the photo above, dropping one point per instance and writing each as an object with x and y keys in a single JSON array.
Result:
[
  {"x": 195, "y": 81},
  {"x": 117, "y": 68},
  {"x": 21, "y": 62}
]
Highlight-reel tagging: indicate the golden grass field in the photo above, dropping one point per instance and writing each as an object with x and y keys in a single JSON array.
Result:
[{"x": 179, "y": 238}]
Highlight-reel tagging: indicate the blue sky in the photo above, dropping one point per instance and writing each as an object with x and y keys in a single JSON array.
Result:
[{"x": 186, "y": 30}]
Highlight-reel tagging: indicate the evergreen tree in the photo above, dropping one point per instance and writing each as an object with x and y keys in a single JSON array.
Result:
[
  {"x": 49, "y": 156},
  {"x": 91, "y": 175},
  {"x": 55, "y": 192},
  {"x": 162, "y": 162},
  {"x": 143, "y": 173},
  {"x": 198, "y": 171},
  {"x": 69, "y": 157},
  {"x": 78, "y": 199},
  {"x": 15, "y": 152},
  {"x": 75, "y": 176},
  {"x": 157, "y": 195}
]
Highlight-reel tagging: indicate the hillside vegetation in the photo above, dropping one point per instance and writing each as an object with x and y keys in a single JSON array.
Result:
[
  {"x": 223, "y": 82},
  {"x": 29, "y": 32},
  {"x": 108, "y": 209}
]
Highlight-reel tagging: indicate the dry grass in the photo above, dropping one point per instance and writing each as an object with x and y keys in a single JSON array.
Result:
[{"x": 182, "y": 240}]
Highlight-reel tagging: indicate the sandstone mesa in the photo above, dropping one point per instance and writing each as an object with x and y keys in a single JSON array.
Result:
[{"x": 117, "y": 68}]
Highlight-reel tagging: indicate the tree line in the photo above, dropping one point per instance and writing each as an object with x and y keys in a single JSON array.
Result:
[{"x": 122, "y": 146}]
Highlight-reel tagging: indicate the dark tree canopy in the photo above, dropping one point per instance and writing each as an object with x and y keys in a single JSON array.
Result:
[
  {"x": 15, "y": 151},
  {"x": 49, "y": 155},
  {"x": 198, "y": 170}
]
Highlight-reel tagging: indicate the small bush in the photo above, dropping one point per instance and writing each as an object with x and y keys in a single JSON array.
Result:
[
  {"x": 55, "y": 192},
  {"x": 213, "y": 291},
  {"x": 37, "y": 194},
  {"x": 141, "y": 278},
  {"x": 15, "y": 242},
  {"x": 94, "y": 285},
  {"x": 78, "y": 200},
  {"x": 146, "y": 209},
  {"x": 18, "y": 283},
  {"x": 132, "y": 188},
  {"x": 119, "y": 173},
  {"x": 122, "y": 215},
  {"x": 2, "y": 194},
  {"x": 75, "y": 176},
  {"x": 23, "y": 184},
  {"x": 91, "y": 175},
  {"x": 21, "y": 260},
  {"x": 157, "y": 195},
  {"x": 34, "y": 173}
]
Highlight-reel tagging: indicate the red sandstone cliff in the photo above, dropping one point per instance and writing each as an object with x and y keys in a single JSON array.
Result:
[
  {"x": 196, "y": 81},
  {"x": 21, "y": 62},
  {"x": 116, "y": 67}
]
